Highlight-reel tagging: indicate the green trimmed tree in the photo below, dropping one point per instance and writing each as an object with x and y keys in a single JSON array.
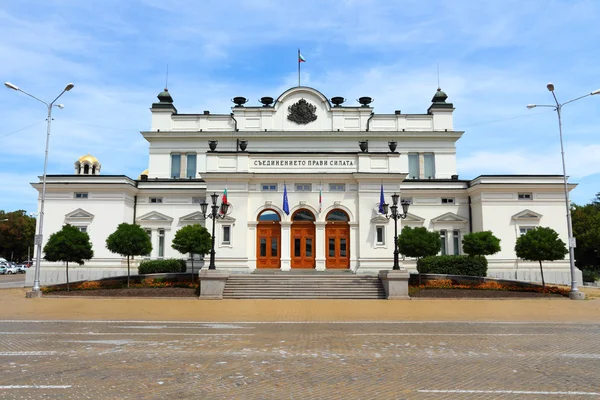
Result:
[
  {"x": 68, "y": 245},
  {"x": 481, "y": 243},
  {"x": 418, "y": 242},
  {"x": 192, "y": 239},
  {"x": 129, "y": 240},
  {"x": 541, "y": 244}
]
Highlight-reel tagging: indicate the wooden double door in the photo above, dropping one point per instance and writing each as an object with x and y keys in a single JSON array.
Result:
[
  {"x": 337, "y": 245},
  {"x": 303, "y": 244},
  {"x": 268, "y": 245}
]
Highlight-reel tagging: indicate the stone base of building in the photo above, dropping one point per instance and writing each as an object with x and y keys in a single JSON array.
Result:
[
  {"x": 395, "y": 284},
  {"x": 212, "y": 284}
]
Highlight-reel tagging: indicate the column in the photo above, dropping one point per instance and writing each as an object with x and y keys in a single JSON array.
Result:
[
  {"x": 354, "y": 246},
  {"x": 251, "y": 243},
  {"x": 286, "y": 259},
  {"x": 320, "y": 247}
]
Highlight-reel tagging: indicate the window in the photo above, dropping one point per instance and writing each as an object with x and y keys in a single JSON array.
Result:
[
  {"x": 197, "y": 200},
  {"x": 191, "y": 166},
  {"x": 81, "y": 195},
  {"x": 269, "y": 187},
  {"x": 161, "y": 242},
  {"x": 226, "y": 234},
  {"x": 524, "y": 229},
  {"x": 149, "y": 232},
  {"x": 337, "y": 187},
  {"x": 443, "y": 242},
  {"x": 175, "y": 165},
  {"x": 456, "y": 240},
  {"x": 408, "y": 200},
  {"x": 156, "y": 200},
  {"x": 525, "y": 196},
  {"x": 303, "y": 187},
  {"x": 413, "y": 166},
  {"x": 82, "y": 228},
  {"x": 447, "y": 200},
  {"x": 380, "y": 235},
  {"x": 429, "y": 165}
]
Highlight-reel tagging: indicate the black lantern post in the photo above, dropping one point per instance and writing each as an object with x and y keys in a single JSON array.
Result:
[
  {"x": 215, "y": 212},
  {"x": 395, "y": 215}
]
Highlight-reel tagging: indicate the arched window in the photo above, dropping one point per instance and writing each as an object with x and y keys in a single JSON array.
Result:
[
  {"x": 94, "y": 170},
  {"x": 86, "y": 169},
  {"x": 303, "y": 215},
  {"x": 338, "y": 216},
  {"x": 269, "y": 215}
]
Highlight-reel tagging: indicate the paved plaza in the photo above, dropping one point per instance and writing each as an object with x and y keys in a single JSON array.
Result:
[{"x": 138, "y": 349}]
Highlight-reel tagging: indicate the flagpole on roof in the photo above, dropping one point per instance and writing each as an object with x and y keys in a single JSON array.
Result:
[{"x": 298, "y": 67}]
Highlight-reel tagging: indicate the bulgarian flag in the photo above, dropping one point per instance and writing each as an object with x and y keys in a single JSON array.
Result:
[
  {"x": 320, "y": 200},
  {"x": 300, "y": 57},
  {"x": 224, "y": 199}
]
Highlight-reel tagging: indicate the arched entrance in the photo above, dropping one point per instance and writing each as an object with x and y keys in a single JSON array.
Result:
[
  {"x": 268, "y": 240},
  {"x": 303, "y": 239},
  {"x": 337, "y": 240}
]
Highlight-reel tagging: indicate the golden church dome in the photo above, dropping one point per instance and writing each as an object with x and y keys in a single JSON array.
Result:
[
  {"x": 89, "y": 158},
  {"x": 145, "y": 172}
]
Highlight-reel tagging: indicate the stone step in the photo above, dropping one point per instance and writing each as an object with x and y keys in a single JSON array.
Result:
[
  {"x": 303, "y": 286},
  {"x": 306, "y": 297}
]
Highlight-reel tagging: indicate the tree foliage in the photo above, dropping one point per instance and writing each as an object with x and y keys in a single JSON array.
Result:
[
  {"x": 192, "y": 239},
  {"x": 541, "y": 244},
  {"x": 17, "y": 231},
  {"x": 481, "y": 243},
  {"x": 586, "y": 228},
  {"x": 129, "y": 240},
  {"x": 68, "y": 245},
  {"x": 418, "y": 242}
]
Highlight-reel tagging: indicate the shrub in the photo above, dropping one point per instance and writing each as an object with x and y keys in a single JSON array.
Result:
[
  {"x": 590, "y": 275},
  {"x": 453, "y": 265},
  {"x": 161, "y": 266}
]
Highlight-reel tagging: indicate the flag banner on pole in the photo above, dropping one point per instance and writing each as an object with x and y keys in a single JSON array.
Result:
[
  {"x": 381, "y": 200},
  {"x": 224, "y": 200},
  {"x": 286, "y": 206},
  {"x": 300, "y": 57},
  {"x": 320, "y": 199}
]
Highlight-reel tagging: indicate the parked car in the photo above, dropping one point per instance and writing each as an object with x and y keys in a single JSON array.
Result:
[
  {"x": 21, "y": 268},
  {"x": 2, "y": 269},
  {"x": 9, "y": 269}
]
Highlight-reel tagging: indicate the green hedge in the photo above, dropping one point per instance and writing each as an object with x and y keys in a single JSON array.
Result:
[
  {"x": 161, "y": 266},
  {"x": 453, "y": 265}
]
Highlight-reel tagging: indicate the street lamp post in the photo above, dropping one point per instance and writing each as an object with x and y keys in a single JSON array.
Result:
[
  {"x": 215, "y": 213},
  {"x": 574, "y": 294},
  {"x": 38, "y": 237},
  {"x": 395, "y": 215}
]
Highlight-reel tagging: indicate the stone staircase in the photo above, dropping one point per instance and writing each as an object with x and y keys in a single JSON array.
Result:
[{"x": 313, "y": 285}]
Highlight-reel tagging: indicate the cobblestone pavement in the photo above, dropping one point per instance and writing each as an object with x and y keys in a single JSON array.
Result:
[{"x": 303, "y": 360}]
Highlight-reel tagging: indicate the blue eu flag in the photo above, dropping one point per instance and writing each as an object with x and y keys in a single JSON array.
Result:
[
  {"x": 381, "y": 200},
  {"x": 286, "y": 205}
]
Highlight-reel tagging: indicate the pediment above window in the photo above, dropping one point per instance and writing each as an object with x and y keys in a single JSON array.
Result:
[
  {"x": 379, "y": 219},
  {"x": 226, "y": 220},
  {"x": 527, "y": 215},
  {"x": 194, "y": 217},
  {"x": 413, "y": 219},
  {"x": 450, "y": 218},
  {"x": 154, "y": 216},
  {"x": 79, "y": 214}
]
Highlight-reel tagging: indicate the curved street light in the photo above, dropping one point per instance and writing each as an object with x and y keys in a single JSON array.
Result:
[
  {"x": 38, "y": 237},
  {"x": 574, "y": 294},
  {"x": 395, "y": 215},
  {"x": 215, "y": 213}
]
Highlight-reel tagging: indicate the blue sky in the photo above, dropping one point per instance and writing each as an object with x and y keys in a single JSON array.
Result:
[{"x": 495, "y": 57}]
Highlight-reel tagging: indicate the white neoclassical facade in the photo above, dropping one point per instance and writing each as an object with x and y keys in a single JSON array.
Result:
[{"x": 331, "y": 161}]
